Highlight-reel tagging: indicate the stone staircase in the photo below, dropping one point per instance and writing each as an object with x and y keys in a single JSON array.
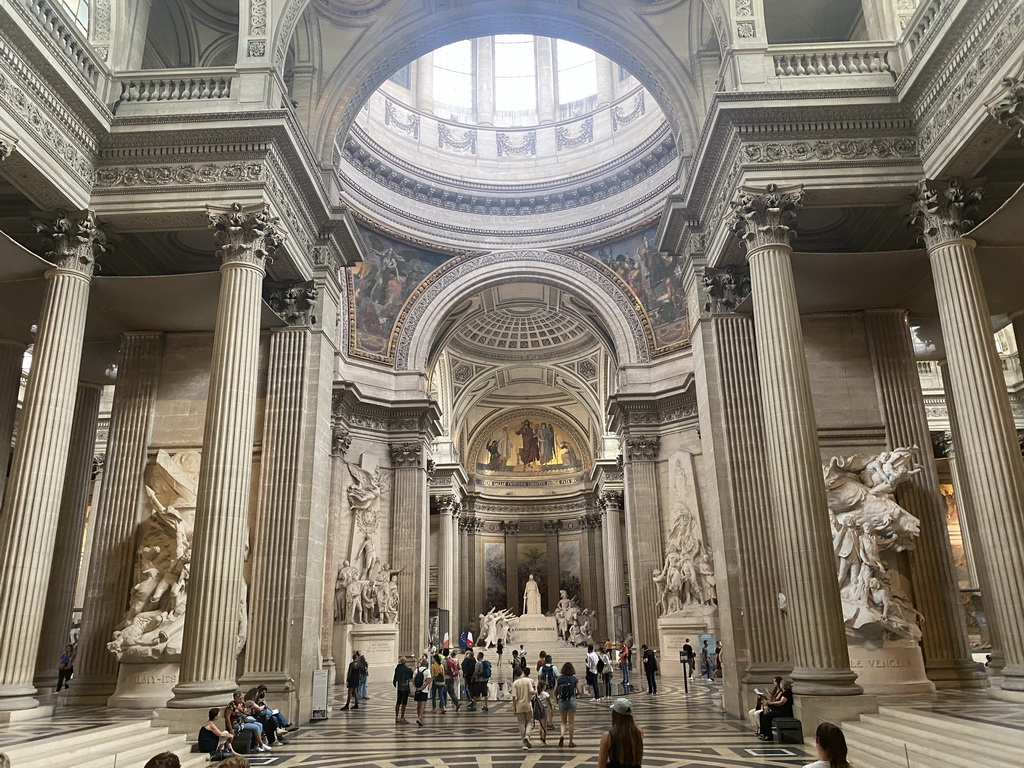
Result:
[
  {"x": 926, "y": 739},
  {"x": 126, "y": 745}
]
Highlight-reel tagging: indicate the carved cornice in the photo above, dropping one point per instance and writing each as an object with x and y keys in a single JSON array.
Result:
[
  {"x": 642, "y": 448},
  {"x": 245, "y": 234},
  {"x": 831, "y": 150},
  {"x": 349, "y": 408},
  {"x": 943, "y": 213},
  {"x": 628, "y": 413},
  {"x": 1009, "y": 110},
  {"x": 763, "y": 217},
  {"x": 77, "y": 240},
  {"x": 406, "y": 455}
]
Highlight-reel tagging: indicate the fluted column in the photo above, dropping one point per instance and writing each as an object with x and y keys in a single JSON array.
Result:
[
  {"x": 209, "y": 650},
  {"x": 341, "y": 439},
  {"x": 554, "y": 572},
  {"x": 11, "y": 355},
  {"x": 615, "y": 587},
  {"x": 605, "y": 80},
  {"x": 546, "y": 100},
  {"x": 514, "y": 596},
  {"x": 60, "y": 598},
  {"x": 425, "y": 83},
  {"x": 817, "y": 634},
  {"x": 456, "y": 569},
  {"x": 447, "y": 507},
  {"x": 643, "y": 534},
  {"x": 989, "y": 452},
  {"x": 944, "y": 643},
  {"x": 409, "y": 534},
  {"x": 116, "y": 515},
  {"x": 28, "y": 524},
  {"x": 484, "y": 85},
  {"x": 597, "y": 564}
]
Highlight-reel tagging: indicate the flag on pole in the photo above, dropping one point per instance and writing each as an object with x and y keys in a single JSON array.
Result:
[
  {"x": 469, "y": 638},
  {"x": 446, "y": 643}
]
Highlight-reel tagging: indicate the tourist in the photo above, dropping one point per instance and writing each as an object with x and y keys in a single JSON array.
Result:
[
  {"x": 238, "y": 717},
  {"x": 831, "y": 744},
  {"x": 567, "y": 690},
  {"x": 451, "y": 678},
  {"x": 468, "y": 670},
  {"x": 688, "y": 656},
  {"x": 592, "y": 661},
  {"x": 352, "y": 683},
  {"x": 623, "y": 745},
  {"x": 754, "y": 714},
  {"x": 401, "y": 681},
  {"x": 604, "y": 666},
  {"x": 624, "y": 665},
  {"x": 163, "y": 760},
  {"x": 211, "y": 738},
  {"x": 547, "y": 673},
  {"x": 778, "y": 707},
  {"x": 542, "y": 660},
  {"x": 272, "y": 720},
  {"x": 364, "y": 675},
  {"x": 650, "y": 662},
  {"x": 522, "y": 703},
  {"x": 481, "y": 679},
  {"x": 437, "y": 684},
  {"x": 705, "y": 662},
  {"x": 65, "y": 667},
  {"x": 501, "y": 650},
  {"x": 421, "y": 683},
  {"x": 545, "y": 711},
  {"x": 718, "y": 659},
  {"x": 515, "y": 662}
]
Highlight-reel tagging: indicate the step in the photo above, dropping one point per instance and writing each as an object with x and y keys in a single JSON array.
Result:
[
  {"x": 994, "y": 733},
  {"x": 56, "y": 745},
  {"x": 949, "y": 731},
  {"x": 885, "y": 739},
  {"x": 144, "y": 741}
]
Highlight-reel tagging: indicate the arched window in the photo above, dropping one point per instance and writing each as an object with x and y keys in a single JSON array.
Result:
[
  {"x": 515, "y": 74},
  {"x": 577, "y": 72},
  {"x": 453, "y": 80}
]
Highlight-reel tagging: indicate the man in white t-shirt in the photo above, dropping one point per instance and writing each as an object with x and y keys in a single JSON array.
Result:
[
  {"x": 592, "y": 676},
  {"x": 522, "y": 703}
]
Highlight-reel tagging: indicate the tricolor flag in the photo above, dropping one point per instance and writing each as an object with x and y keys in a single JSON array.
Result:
[
  {"x": 446, "y": 643},
  {"x": 469, "y": 638}
]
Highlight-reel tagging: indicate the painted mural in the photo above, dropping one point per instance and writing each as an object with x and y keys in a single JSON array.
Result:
[
  {"x": 656, "y": 279},
  {"x": 569, "y": 567},
  {"x": 380, "y": 285},
  {"x": 532, "y": 558},
  {"x": 495, "y": 592},
  {"x": 529, "y": 443}
]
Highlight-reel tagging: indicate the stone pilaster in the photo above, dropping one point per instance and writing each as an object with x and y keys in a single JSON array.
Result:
[
  {"x": 597, "y": 565},
  {"x": 60, "y": 598},
  {"x": 28, "y": 526},
  {"x": 988, "y": 452},
  {"x": 341, "y": 439},
  {"x": 589, "y": 596},
  {"x": 816, "y": 632},
  {"x": 456, "y": 569},
  {"x": 732, "y": 438},
  {"x": 409, "y": 534},
  {"x": 467, "y": 577},
  {"x": 643, "y": 534},
  {"x": 554, "y": 571},
  {"x": 291, "y": 518},
  {"x": 447, "y": 507},
  {"x": 11, "y": 355},
  {"x": 246, "y": 236},
  {"x": 615, "y": 586},
  {"x": 944, "y": 643},
  {"x": 547, "y": 103},
  {"x": 515, "y": 598},
  {"x": 116, "y": 516}
]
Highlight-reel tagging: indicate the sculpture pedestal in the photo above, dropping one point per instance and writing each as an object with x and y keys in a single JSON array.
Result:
[
  {"x": 534, "y": 631},
  {"x": 896, "y": 667},
  {"x": 144, "y": 685},
  {"x": 377, "y": 642},
  {"x": 676, "y": 627}
]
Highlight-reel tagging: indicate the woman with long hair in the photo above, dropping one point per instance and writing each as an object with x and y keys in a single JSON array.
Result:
[
  {"x": 831, "y": 745},
  {"x": 567, "y": 688},
  {"x": 623, "y": 745}
]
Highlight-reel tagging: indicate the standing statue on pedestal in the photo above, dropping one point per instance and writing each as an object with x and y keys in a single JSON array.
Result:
[
  {"x": 866, "y": 523},
  {"x": 531, "y": 598}
]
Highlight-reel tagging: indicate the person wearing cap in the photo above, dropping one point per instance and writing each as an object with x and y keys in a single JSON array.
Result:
[{"x": 623, "y": 745}]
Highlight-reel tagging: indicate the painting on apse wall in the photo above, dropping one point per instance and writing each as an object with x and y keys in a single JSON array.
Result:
[
  {"x": 381, "y": 283},
  {"x": 495, "y": 593},
  {"x": 569, "y": 567},
  {"x": 656, "y": 279},
  {"x": 529, "y": 443}
]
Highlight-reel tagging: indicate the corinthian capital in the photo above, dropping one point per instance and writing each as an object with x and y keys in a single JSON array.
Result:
[
  {"x": 405, "y": 455},
  {"x": 77, "y": 239},
  {"x": 643, "y": 447},
  {"x": 763, "y": 217},
  {"x": 7, "y": 144},
  {"x": 245, "y": 234},
  {"x": 610, "y": 500},
  {"x": 943, "y": 213},
  {"x": 1009, "y": 110}
]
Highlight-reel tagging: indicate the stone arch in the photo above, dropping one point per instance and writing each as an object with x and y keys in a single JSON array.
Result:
[
  {"x": 652, "y": 61},
  {"x": 420, "y": 321}
]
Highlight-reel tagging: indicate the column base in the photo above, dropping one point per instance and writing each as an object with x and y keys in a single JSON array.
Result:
[
  {"x": 185, "y": 719},
  {"x": 825, "y": 682},
  {"x": 1012, "y": 678},
  {"x": 144, "y": 686},
  {"x": 17, "y": 697},
  {"x": 956, "y": 675},
  {"x": 20, "y": 715},
  {"x": 764, "y": 673},
  {"x": 88, "y": 692},
  {"x": 203, "y": 695},
  {"x": 276, "y": 682},
  {"x": 813, "y": 710}
]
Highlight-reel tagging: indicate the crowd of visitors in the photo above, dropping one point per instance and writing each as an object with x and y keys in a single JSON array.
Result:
[{"x": 250, "y": 724}]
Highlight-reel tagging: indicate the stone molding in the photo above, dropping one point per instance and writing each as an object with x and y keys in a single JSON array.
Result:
[
  {"x": 405, "y": 455},
  {"x": 943, "y": 213},
  {"x": 630, "y": 413},
  {"x": 77, "y": 239},
  {"x": 763, "y": 217},
  {"x": 245, "y": 234},
  {"x": 642, "y": 448},
  {"x": 353, "y": 413},
  {"x": 823, "y": 150}
]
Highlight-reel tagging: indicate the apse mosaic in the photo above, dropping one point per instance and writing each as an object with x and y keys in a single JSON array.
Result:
[{"x": 530, "y": 443}]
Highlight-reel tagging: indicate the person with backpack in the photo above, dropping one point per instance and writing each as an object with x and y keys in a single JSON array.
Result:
[
  {"x": 604, "y": 668},
  {"x": 421, "y": 683},
  {"x": 451, "y": 678},
  {"x": 481, "y": 679},
  {"x": 548, "y": 674},
  {"x": 567, "y": 689},
  {"x": 542, "y": 711},
  {"x": 438, "y": 689},
  {"x": 593, "y": 661},
  {"x": 468, "y": 672}
]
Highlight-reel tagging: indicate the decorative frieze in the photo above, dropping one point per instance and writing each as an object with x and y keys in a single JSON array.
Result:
[
  {"x": 186, "y": 174},
  {"x": 619, "y": 115},
  {"x": 391, "y": 119},
  {"x": 77, "y": 239},
  {"x": 464, "y": 140},
  {"x": 565, "y": 140},
  {"x": 831, "y": 150},
  {"x": 763, "y": 217},
  {"x": 943, "y": 213},
  {"x": 526, "y": 146},
  {"x": 405, "y": 455}
]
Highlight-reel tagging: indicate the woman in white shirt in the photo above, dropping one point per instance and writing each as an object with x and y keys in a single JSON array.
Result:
[
  {"x": 421, "y": 684},
  {"x": 831, "y": 745}
]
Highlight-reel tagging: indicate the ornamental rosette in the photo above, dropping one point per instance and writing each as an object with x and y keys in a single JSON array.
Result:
[
  {"x": 943, "y": 213},
  {"x": 245, "y": 234},
  {"x": 764, "y": 217},
  {"x": 77, "y": 239}
]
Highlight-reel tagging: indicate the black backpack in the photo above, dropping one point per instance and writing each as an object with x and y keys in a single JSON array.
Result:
[
  {"x": 418, "y": 680},
  {"x": 600, "y": 666},
  {"x": 566, "y": 690},
  {"x": 547, "y": 672}
]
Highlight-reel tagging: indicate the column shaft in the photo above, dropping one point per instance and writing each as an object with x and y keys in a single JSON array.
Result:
[
  {"x": 817, "y": 635},
  {"x": 445, "y": 564},
  {"x": 409, "y": 534},
  {"x": 605, "y": 80},
  {"x": 944, "y": 642},
  {"x": 60, "y": 599},
  {"x": 643, "y": 535},
  {"x": 989, "y": 452},
  {"x": 28, "y": 525},
  {"x": 425, "y": 83},
  {"x": 515, "y": 597},
  {"x": 117, "y": 513},
  {"x": 597, "y": 563},
  {"x": 484, "y": 85},
  {"x": 11, "y": 355},
  {"x": 554, "y": 572},
  {"x": 615, "y": 588},
  {"x": 456, "y": 568},
  {"x": 547, "y": 107}
]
